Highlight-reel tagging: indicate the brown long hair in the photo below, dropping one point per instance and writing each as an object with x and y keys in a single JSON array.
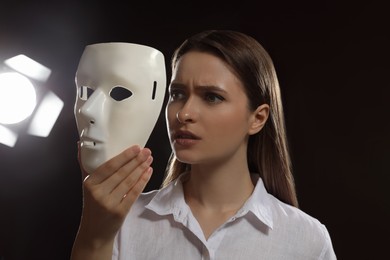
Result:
[{"x": 267, "y": 150}]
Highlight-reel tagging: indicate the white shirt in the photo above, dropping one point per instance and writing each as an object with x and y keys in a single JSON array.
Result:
[{"x": 160, "y": 225}]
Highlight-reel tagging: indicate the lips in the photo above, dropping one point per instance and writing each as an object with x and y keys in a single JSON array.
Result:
[
  {"x": 185, "y": 135},
  {"x": 185, "y": 138}
]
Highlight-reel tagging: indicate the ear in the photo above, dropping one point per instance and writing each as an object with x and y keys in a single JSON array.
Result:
[{"x": 258, "y": 119}]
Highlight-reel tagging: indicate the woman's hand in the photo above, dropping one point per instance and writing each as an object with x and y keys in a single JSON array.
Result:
[{"x": 109, "y": 193}]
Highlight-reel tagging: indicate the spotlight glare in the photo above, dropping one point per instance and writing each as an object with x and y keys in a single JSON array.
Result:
[
  {"x": 7, "y": 137},
  {"x": 17, "y": 98},
  {"x": 46, "y": 115},
  {"x": 29, "y": 67}
]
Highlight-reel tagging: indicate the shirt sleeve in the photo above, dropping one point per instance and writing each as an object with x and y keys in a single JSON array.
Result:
[
  {"x": 327, "y": 251},
  {"x": 115, "y": 251}
]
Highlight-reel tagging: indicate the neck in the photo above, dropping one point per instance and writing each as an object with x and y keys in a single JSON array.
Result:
[{"x": 220, "y": 187}]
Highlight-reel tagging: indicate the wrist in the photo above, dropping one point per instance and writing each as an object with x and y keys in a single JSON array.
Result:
[{"x": 86, "y": 248}]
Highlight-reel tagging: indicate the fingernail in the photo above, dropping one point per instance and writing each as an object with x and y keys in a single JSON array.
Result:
[
  {"x": 150, "y": 171},
  {"x": 136, "y": 148},
  {"x": 146, "y": 151},
  {"x": 149, "y": 160}
]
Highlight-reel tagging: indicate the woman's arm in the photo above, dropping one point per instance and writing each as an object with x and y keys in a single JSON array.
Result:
[{"x": 109, "y": 193}]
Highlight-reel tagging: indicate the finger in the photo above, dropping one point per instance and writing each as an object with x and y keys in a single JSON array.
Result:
[
  {"x": 133, "y": 168},
  {"x": 133, "y": 178},
  {"x": 137, "y": 189},
  {"x": 113, "y": 165},
  {"x": 128, "y": 183}
]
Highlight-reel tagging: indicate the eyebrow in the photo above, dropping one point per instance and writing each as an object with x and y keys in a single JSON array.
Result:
[{"x": 201, "y": 87}]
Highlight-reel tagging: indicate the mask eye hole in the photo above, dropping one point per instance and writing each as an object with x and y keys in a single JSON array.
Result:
[
  {"x": 120, "y": 93},
  {"x": 85, "y": 92}
]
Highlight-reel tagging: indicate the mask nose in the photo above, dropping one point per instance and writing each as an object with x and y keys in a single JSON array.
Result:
[{"x": 92, "y": 109}]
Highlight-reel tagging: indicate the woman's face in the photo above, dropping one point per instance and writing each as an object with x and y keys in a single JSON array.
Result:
[{"x": 207, "y": 114}]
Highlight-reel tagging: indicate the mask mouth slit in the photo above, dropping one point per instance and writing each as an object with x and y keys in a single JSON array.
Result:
[
  {"x": 154, "y": 90},
  {"x": 89, "y": 143}
]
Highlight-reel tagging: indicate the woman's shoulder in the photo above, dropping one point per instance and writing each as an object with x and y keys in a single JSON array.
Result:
[
  {"x": 285, "y": 214},
  {"x": 305, "y": 226},
  {"x": 301, "y": 228}
]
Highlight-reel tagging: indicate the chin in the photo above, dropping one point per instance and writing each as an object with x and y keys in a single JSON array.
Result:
[
  {"x": 190, "y": 159},
  {"x": 89, "y": 168},
  {"x": 91, "y": 160},
  {"x": 185, "y": 158}
]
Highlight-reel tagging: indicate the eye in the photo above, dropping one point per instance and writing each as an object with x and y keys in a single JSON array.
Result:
[
  {"x": 120, "y": 93},
  {"x": 176, "y": 94},
  {"x": 213, "y": 97},
  {"x": 85, "y": 92}
]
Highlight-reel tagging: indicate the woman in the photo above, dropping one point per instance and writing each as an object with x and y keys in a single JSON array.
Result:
[{"x": 229, "y": 191}]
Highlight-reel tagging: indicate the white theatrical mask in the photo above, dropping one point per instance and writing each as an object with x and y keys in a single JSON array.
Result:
[{"x": 120, "y": 93}]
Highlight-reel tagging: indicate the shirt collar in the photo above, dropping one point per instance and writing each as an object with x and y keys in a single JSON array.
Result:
[
  {"x": 259, "y": 203},
  {"x": 170, "y": 200}
]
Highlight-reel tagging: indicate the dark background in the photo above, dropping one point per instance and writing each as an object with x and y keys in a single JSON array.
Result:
[{"x": 333, "y": 66}]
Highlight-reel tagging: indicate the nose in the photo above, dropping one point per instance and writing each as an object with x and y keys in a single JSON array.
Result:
[
  {"x": 92, "y": 108},
  {"x": 183, "y": 117},
  {"x": 188, "y": 113}
]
